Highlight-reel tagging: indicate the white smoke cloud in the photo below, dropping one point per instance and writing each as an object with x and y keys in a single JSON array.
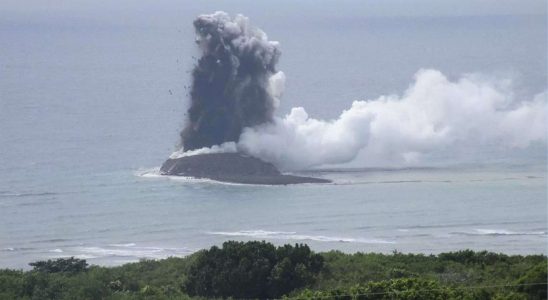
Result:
[
  {"x": 227, "y": 147},
  {"x": 276, "y": 86},
  {"x": 433, "y": 114}
]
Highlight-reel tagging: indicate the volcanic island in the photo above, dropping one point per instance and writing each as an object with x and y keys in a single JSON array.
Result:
[
  {"x": 231, "y": 90},
  {"x": 233, "y": 168}
]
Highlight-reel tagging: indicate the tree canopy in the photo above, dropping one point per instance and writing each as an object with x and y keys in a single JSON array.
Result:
[{"x": 252, "y": 270}]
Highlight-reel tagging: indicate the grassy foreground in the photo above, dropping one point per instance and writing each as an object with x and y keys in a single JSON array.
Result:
[{"x": 262, "y": 270}]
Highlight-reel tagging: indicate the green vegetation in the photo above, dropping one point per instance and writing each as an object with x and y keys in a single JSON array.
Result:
[
  {"x": 261, "y": 270},
  {"x": 252, "y": 270},
  {"x": 67, "y": 265}
]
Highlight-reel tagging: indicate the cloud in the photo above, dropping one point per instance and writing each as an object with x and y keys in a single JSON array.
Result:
[{"x": 433, "y": 114}]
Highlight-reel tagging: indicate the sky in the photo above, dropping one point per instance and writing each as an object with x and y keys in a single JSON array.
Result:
[{"x": 159, "y": 10}]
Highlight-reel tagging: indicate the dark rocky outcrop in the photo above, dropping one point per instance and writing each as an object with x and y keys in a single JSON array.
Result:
[{"x": 232, "y": 167}]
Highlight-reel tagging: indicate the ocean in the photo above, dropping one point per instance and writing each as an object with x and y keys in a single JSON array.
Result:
[{"x": 91, "y": 106}]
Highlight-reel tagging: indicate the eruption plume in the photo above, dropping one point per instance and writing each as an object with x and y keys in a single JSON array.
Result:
[
  {"x": 230, "y": 82},
  {"x": 236, "y": 89}
]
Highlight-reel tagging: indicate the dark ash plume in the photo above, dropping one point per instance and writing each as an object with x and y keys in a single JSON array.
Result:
[{"x": 230, "y": 82}]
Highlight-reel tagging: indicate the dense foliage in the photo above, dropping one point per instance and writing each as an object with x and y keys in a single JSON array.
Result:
[
  {"x": 69, "y": 265},
  {"x": 147, "y": 279},
  {"x": 405, "y": 289},
  {"x": 260, "y": 270},
  {"x": 252, "y": 270}
]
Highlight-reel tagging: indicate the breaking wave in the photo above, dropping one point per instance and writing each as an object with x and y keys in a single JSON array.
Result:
[
  {"x": 127, "y": 250},
  {"x": 282, "y": 235},
  {"x": 502, "y": 232}
]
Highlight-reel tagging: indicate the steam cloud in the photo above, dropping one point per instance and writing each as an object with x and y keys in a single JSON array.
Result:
[
  {"x": 433, "y": 114},
  {"x": 230, "y": 82},
  {"x": 236, "y": 89}
]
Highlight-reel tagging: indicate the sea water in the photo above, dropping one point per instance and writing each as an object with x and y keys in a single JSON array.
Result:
[
  {"x": 90, "y": 108},
  {"x": 121, "y": 216}
]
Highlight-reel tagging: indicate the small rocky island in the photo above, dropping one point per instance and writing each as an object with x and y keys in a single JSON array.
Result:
[
  {"x": 232, "y": 167},
  {"x": 231, "y": 90}
]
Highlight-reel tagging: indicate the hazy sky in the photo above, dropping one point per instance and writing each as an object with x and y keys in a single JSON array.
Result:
[{"x": 158, "y": 10}]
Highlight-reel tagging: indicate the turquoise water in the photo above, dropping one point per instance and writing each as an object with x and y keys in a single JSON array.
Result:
[{"x": 89, "y": 109}]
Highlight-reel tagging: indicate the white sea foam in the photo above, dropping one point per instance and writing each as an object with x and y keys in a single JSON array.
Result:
[
  {"x": 154, "y": 173},
  {"x": 23, "y": 194},
  {"x": 129, "y": 250},
  {"x": 507, "y": 232},
  {"x": 281, "y": 235},
  {"x": 85, "y": 256},
  {"x": 189, "y": 179},
  {"x": 123, "y": 245},
  {"x": 253, "y": 233},
  {"x": 148, "y": 172},
  {"x": 99, "y": 252},
  {"x": 499, "y": 232},
  {"x": 56, "y": 250}
]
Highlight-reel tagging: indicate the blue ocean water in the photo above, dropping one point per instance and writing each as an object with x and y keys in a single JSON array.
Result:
[{"x": 89, "y": 108}]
